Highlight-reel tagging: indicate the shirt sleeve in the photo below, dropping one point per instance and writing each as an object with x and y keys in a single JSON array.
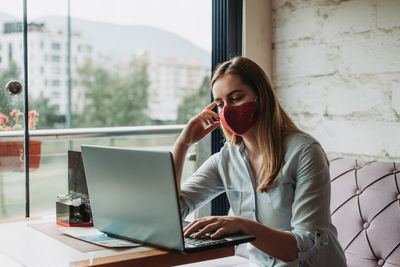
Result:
[
  {"x": 311, "y": 206},
  {"x": 201, "y": 186}
]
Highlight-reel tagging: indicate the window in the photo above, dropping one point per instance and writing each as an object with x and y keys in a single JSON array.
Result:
[
  {"x": 55, "y": 58},
  {"x": 10, "y": 52},
  {"x": 223, "y": 24},
  {"x": 55, "y": 46},
  {"x": 112, "y": 83}
]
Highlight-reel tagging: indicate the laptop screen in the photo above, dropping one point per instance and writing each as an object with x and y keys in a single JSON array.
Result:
[{"x": 133, "y": 194}]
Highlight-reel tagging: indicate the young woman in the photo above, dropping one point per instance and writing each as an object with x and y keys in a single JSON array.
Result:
[{"x": 276, "y": 177}]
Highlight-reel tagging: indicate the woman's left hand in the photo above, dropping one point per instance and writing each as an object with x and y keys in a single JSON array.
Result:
[{"x": 219, "y": 225}]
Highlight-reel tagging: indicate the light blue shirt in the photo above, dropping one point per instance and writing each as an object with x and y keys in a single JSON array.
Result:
[{"x": 298, "y": 204}]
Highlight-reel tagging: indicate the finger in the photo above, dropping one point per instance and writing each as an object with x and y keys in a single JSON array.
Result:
[
  {"x": 208, "y": 228},
  {"x": 220, "y": 232},
  {"x": 190, "y": 224},
  {"x": 211, "y": 106},
  {"x": 207, "y": 119},
  {"x": 212, "y": 113},
  {"x": 212, "y": 127},
  {"x": 200, "y": 223},
  {"x": 193, "y": 228}
]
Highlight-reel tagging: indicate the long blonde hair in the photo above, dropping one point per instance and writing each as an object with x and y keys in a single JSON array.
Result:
[{"x": 272, "y": 122}]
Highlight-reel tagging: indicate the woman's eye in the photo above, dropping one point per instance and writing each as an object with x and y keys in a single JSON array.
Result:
[
  {"x": 220, "y": 105},
  {"x": 236, "y": 99}
]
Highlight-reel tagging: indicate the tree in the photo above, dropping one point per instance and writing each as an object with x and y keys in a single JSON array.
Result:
[
  {"x": 194, "y": 103},
  {"x": 112, "y": 98},
  {"x": 48, "y": 114},
  {"x": 7, "y": 102}
]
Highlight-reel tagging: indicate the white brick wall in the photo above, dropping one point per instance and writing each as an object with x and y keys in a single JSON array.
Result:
[
  {"x": 396, "y": 100},
  {"x": 367, "y": 55},
  {"x": 336, "y": 66},
  {"x": 388, "y": 15},
  {"x": 304, "y": 60},
  {"x": 352, "y": 16},
  {"x": 301, "y": 24}
]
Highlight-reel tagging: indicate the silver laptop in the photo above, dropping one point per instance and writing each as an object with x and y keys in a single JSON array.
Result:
[{"x": 133, "y": 195}]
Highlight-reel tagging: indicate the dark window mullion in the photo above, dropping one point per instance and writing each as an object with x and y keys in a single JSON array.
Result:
[
  {"x": 226, "y": 43},
  {"x": 26, "y": 104}
]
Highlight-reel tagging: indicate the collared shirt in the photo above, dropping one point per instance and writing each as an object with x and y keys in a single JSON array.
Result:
[{"x": 299, "y": 203}]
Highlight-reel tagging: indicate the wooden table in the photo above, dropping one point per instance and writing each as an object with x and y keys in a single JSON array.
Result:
[{"x": 25, "y": 246}]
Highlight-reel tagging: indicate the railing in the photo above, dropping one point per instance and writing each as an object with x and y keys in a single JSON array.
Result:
[
  {"x": 75, "y": 133},
  {"x": 50, "y": 179}
]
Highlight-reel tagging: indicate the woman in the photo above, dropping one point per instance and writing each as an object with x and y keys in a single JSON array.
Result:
[{"x": 276, "y": 177}]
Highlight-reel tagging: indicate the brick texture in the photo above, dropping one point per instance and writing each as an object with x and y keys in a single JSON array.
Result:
[{"x": 336, "y": 67}]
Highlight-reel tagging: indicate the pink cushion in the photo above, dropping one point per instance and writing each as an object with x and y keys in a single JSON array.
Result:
[{"x": 365, "y": 208}]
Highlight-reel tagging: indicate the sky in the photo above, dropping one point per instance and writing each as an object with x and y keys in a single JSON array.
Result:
[{"x": 190, "y": 19}]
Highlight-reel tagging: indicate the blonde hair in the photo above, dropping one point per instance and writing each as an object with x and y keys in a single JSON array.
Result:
[{"x": 272, "y": 122}]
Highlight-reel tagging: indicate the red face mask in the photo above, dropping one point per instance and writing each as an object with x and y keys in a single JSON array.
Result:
[{"x": 238, "y": 119}]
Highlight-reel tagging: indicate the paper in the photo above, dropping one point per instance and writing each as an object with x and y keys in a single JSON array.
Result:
[{"x": 92, "y": 235}]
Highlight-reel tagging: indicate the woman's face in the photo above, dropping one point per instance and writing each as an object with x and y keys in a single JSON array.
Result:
[{"x": 229, "y": 90}]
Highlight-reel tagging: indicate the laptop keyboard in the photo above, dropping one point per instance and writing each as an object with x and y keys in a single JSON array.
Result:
[{"x": 202, "y": 241}]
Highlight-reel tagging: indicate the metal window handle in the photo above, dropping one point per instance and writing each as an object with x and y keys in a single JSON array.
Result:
[{"x": 14, "y": 88}]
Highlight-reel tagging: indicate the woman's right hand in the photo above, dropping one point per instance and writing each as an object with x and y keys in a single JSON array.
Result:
[{"x": 199, "y": 126}]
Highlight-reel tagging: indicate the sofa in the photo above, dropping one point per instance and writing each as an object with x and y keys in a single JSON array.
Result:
[{"x": 365, "y": 208}]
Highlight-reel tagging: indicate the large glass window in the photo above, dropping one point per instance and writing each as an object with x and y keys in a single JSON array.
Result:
[
  {"x": 122, "y": 63},
  {"x": 12, "y": 176}
]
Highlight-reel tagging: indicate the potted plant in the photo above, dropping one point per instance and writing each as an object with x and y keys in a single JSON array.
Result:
[{"x": 12, "y": 152}]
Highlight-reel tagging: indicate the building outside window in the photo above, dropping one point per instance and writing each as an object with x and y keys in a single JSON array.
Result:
[
  {"x": 55, "y": 58},
  {"x": 162, "y": 57},
  {"x": 55, "y": 82},
  {"x": 55, "y": 46}
]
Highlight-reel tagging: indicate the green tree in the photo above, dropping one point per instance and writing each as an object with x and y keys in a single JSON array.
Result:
[
  {"x": 112, "y": 98},
  {"x": 7, "y": 102},
  {"x": 48, "y": 114},
  {"x": 194, "y": 103}
]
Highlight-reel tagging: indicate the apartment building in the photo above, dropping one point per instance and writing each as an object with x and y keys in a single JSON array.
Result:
[
  {"x": 171, "y": 79},
  {"x": 47, "y": 59}
]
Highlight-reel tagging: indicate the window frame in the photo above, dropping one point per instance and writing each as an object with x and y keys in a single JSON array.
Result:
[
  {"x": 227, "y": 23},
  {"x": 226, "y": 43}
]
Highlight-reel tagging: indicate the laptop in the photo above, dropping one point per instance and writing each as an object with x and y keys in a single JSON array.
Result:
[{"x": 133, "y": 196}]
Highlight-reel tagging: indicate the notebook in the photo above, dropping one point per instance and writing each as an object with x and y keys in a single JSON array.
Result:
[{"x": 133, "y": 196}]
